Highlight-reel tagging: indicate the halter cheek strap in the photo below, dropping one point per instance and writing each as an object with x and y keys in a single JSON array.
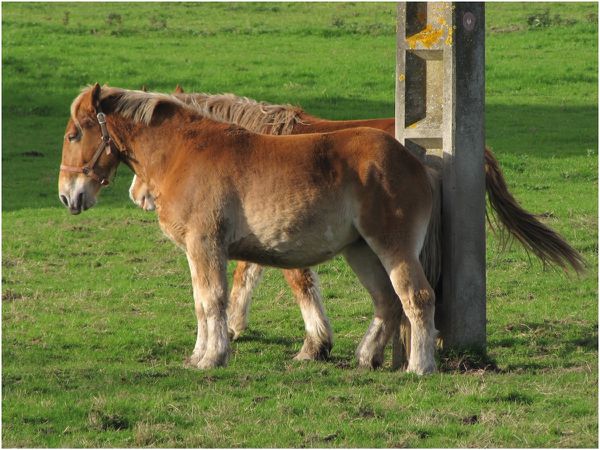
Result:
[{"x": 106, "y": 143}]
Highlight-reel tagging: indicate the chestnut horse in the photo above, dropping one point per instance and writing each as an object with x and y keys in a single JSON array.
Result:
[
  {"x": 289, "y": 201},
  {"x": 262, "y": 117}
]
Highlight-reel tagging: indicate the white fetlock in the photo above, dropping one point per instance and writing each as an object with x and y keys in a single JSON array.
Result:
[{"x": 212, "y": 361}]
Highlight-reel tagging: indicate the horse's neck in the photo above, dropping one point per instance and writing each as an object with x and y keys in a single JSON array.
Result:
[
  {"x": 311, "y": 124},
  {"x": 154, "y": 148}
]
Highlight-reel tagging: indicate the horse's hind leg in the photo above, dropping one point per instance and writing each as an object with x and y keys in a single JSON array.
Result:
[
  {"x": 388, "y": 311},
  {"x": 245, "y": 278},
  {"x": 319, "y": 338},
  {"x": 418, "y": 302}
]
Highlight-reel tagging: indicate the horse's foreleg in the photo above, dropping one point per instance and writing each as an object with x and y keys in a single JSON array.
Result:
[
  {"x": 200, "y": 347},
  {"x": 245, "y": 278},
  {"x": 210, "y": 294},
  {"x": 319, "y": 337},
  {"x": 386, "y": 321}
]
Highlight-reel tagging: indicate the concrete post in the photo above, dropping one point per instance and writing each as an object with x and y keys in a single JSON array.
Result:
[{"x": 440, "y": 88}]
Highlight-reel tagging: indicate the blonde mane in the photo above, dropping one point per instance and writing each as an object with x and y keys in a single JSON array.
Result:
[
  {"x": 138, "y": 106},
  {"x": 258, "y": 117}
]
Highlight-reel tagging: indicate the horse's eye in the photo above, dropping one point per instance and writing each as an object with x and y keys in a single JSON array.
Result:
[{"x": 72, "y": 137}]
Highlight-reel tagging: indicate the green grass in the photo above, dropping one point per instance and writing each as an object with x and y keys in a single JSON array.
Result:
[{"x": 97, "y": 312}]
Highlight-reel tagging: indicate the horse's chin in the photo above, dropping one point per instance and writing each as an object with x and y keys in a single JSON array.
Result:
[
  {"x": 145, "y": 202},
  {"x": 87, "y": 204},
  {"x": 148, "y": 204}
]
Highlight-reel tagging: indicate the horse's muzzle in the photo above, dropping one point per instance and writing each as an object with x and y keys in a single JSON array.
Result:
[{"x": 78, "y": 203}]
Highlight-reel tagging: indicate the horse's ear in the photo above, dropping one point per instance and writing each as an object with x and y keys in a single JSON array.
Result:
[
  {"x": 178, "y": 89},
  {"x": 95, "y": 96},
  {"x": 144, "y": 88},
  {"x": 90, "y": 101}
]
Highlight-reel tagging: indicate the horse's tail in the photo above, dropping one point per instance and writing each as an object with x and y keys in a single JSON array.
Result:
[
  {"x": 544, "y": 242},
  {"x": 431, "y": 253}
]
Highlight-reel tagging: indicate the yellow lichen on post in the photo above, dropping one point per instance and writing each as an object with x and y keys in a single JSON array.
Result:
[
  {"x": 427, "y": 37},
  {"x": 437, "y": 31}
]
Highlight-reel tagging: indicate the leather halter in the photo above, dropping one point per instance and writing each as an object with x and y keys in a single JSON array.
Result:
[{"x": 107, "y": 142}]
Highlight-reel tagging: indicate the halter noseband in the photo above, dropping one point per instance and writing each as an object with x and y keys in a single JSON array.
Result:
[{"x": 107, "y": 142}]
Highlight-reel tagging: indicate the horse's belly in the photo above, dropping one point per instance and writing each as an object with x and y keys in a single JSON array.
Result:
[{"x": 282, "y": 245}]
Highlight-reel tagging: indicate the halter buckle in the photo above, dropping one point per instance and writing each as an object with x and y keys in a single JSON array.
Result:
[{"x": 101, "y": 118}]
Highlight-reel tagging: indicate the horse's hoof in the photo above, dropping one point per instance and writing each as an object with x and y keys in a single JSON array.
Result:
[
  {"x": 189, "y": 364},
  {"x": 426, "y": 369},
  {"x": 211, "y": 363},
  {"x": 236, "y": 324},
  {"x": 312, "y": 351},
  {"x": 192, "y": 362},
  {"x": 233, "y": 334},
  {"x": 303, "y": 356},
  {"x": 370, "y": 362}
]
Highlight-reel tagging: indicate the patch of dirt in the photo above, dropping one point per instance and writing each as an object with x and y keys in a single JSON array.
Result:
[
  {"x": 468, "y": 363},
  {"x": 470, "y": 420},
  {"x": 508, "y": 29},
  {"x": 101, "y": 419},
  {"x": 366, "y": 412},
  {"x": 33, "y": 154},
  {"x": 11, "y": 262},
  {"x": 8, "y": 295},
  {"x": 330, "y": 437},
  {"x": 259, "y": 399},
  {"x": 342, "y": 364}
]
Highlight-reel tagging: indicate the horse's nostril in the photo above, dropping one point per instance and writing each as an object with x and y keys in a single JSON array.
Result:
[
  {"x": 80, "y": 200},
  {"x": 64, "y": 200}
]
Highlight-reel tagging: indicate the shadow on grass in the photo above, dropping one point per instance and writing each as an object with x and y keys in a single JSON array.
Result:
[
  {"x": 551, "y": 339},
  {"x": 256, "y": 336}
]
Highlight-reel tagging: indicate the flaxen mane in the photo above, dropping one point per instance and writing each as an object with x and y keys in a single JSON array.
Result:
[
  {"x": 138, "y": 106},
  {"x": 259, "y": 117}
]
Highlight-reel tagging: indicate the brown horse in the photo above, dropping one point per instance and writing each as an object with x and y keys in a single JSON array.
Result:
[
  {"x": 289, "y": 201},
  {"x": 266, "y": 118},
  {"x": 278, "y": 119}
]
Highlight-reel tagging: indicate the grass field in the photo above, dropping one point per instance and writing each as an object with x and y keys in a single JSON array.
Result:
[{"x": 97, "y": 314}]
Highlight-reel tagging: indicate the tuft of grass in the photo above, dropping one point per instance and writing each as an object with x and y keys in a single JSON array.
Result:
[
  {"x": 158, "y": 23},
  {"x": 113, "y": 19}
]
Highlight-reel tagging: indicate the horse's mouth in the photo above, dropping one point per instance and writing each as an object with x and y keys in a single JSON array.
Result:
[
  {"x": 79, "y": 209},
  {"x": 82, "y": 203},
  {"x": 146, "y": 203}
]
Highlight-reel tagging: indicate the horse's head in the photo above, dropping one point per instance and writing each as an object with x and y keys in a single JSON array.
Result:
[
  {"x": 89, "y": 158},
  {"x": 140, "y": 194}
]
